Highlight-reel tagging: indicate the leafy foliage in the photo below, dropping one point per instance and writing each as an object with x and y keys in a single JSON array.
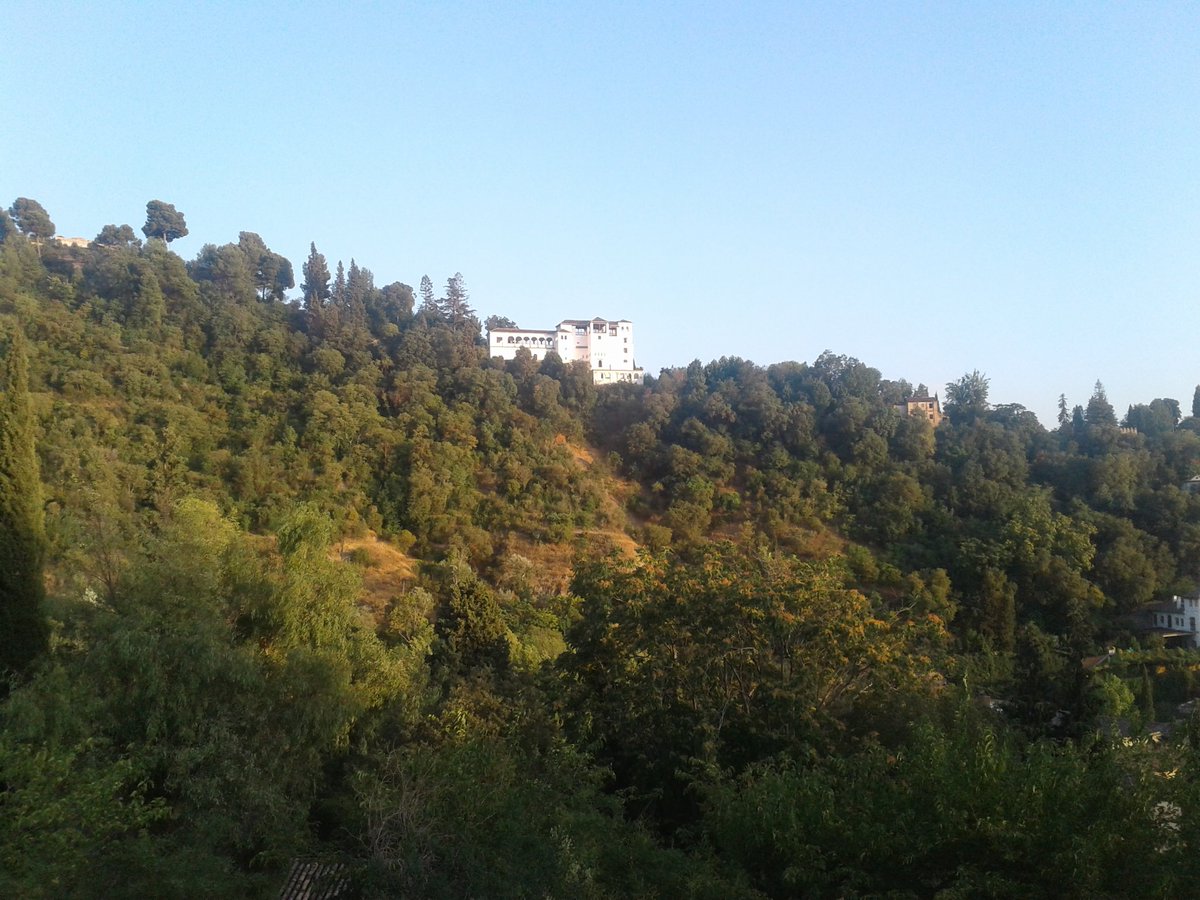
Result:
[{"x": 199, "y": 475}]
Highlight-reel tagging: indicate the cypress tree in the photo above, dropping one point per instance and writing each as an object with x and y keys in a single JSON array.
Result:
[
  {"x": 1146, "y": 697},
  {"x": 23, "y": 628}
]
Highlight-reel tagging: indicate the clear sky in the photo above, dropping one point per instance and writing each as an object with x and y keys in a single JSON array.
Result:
[{"x": 930, "y": 187}]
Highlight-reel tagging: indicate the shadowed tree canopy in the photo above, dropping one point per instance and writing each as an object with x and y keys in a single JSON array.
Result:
[
  {"x": 494, "y": 322},
  {"x": 164, "y": 221},
  {"x": 429, "y": 303},
  {"x": 1161, "y": 415},
  {"x": 117, "y": 236},
  {"x": 33, "y": 220},
  {"x": 272, "y": 273},
  {"x": 1099, "y": 410},
  {"x": 23, "y": 630}
]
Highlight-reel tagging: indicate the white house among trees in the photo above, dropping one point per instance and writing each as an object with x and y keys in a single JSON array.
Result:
[{"x": 605, "y": 345}]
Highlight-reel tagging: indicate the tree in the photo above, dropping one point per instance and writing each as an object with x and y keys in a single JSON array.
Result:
[
  {"x": 117, "y": 236},
  {"x": 22, "y": 538},
  {"x": 997, "y": 610},
  {"x": 164, "y": 221},
  {"x": 1196, "y": 402},
  {"x": 393, "y": 304},
  {"x": 1099, "y": 410},
  {"x": 1064, "y": 414},
  {"x": 1145, "y": 697},
  {"x": 1161, "y": 416},
  {"x": 1077, "y": 421},
  {"x": 494, "y": 322},
  {"x": 285, "y": 278},
  {"x": 272, "y": 272},
  {"x": 339, "y": 286},
  {"x": 316, "y": 279},
  {"x": 429, "y": 303},
  {"x": 147, "y": 306},
  {"x": 33, "y": 220},
  {"x": 967, "y": 398},
  {"x": 728, "y": 658},
  {"x": 457, "y": 308}
]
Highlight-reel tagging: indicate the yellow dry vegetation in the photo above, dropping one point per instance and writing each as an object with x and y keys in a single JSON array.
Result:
[{"x": 386, "y": 571}]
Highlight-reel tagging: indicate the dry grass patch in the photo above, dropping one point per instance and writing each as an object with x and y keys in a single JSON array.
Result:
[{"x": 386, "y": 571}]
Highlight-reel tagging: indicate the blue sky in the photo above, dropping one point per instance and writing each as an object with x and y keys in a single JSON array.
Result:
[{"x": 930, "y": 187}]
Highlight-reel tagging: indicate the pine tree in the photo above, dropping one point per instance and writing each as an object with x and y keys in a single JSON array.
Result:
[
  {"x": 31, "y": 217},
  {"x": 316, "y": 279},
  {"x": 1064, "y": 415},
  {"x": 1099, "y": 410},
  {"x": 360, "y": 284},
  {"x": 457, "y": 309},
  {"x": 429, "y": 304},
  {"x": 164, "y": 221},
  {"x": 339, "y": 286},
  {"x": 23, "y": 628}
]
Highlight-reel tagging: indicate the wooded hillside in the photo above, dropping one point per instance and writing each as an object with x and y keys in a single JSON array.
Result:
[{"x": 301, "y": 573}]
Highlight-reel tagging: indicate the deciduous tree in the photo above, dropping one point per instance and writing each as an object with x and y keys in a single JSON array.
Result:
[{"x": 967, "y": 398}]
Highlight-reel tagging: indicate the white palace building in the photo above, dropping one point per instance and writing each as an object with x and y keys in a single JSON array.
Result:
[{"x": 606, "y": 346}]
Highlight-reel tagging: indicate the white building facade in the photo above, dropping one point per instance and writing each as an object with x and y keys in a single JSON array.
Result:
[
  {"x": 605, "y": 345},
  {"x": 1178, "y": 617}
]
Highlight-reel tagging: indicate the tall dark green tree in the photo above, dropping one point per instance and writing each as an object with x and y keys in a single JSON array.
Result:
[
  {"x": 33, "y": 220},
  {"x": 339, "y": 286},
  {"x": 23, "y": 628},
  {"x": 429, "y": 304},
  {"x": 164, "y": 221},
  {"x": 316, "y": 279},
  {"x": 1145, "y": 697},
  {"x": 1099, "y": 410},
  {"x": 456, "y": 304}
]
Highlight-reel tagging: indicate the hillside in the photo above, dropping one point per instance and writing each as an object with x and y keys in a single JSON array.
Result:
[{"x": 301, "y": 572}]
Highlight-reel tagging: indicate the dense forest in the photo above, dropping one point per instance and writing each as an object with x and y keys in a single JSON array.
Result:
[{"x": 296, "y": 576}]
